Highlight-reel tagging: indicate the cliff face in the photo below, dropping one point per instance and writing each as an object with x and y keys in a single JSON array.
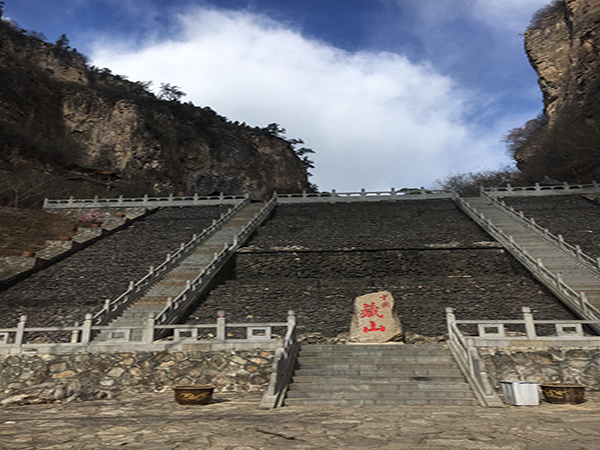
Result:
[
  {"x": 55, "y": 112},
  {"x": 563, "y": 45}
]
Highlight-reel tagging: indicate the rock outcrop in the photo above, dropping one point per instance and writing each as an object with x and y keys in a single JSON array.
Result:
[
  {"x": 57, "y": 112},
  {"x": 563, "y": 45}
]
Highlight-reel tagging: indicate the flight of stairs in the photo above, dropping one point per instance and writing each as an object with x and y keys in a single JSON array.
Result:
[
  {"x": 574, "y": 274},
  {"x": 386, "y": 374},
  {"x": 173, "y": 283}
]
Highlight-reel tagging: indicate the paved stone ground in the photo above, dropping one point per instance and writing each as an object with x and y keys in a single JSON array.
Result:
[{"x": 156, "y": 422}]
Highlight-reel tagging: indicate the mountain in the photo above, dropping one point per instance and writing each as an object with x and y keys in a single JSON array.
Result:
[
  {"x": 70, "y": 129},
  {"x": 563, "y": 142}
]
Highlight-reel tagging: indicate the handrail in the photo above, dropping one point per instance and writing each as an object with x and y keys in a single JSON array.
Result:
[
  {"x": 113, "y": 308},
  {"x": 558, "y": 241},
  {"x": 362, "y": 195},
  {"x": 537, "y": 189},
  {"x": 576, "y": 301},
  {"x": 195, "y": 200},
  {"x": 15, "y": 339},
  {"x": 471, "y": 365},
  {"x": 176, "y": 307},
  {"x": 283, "y": 367},
  {"x": 145, "y": 201},
  {"x": 490, "y": 330}
]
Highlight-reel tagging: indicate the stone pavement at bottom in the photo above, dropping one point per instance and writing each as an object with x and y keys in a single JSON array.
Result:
[{"x": 155, "y": 421}]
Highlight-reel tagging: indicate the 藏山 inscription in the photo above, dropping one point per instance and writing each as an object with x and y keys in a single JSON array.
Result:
[{"x": 374, "y": 319}]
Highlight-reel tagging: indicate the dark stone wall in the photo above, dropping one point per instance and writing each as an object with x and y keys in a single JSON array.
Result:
[
  {"x": 64, "y": 292},
  {"x": 368, "y": 226},
  {"x": 429, "y": 259}
]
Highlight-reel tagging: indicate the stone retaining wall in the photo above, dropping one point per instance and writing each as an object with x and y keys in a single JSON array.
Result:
[
  {"x": 228, "y": 370},
  {"x": 567, "y": 365}
]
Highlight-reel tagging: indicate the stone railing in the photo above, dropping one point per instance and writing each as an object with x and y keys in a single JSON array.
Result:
[
  {"x": 177, "y": 307},
  {"x": 362, "y": 196},
  {"x": 78, "y": 338},
  {"x": 539, "y": 190},
  {"x": 113, "y": 308},
  {"x": 577, "y": 301},
  {"x": 303, "y": 197},
  {"x": 573, "y": 250},
  {"x": 522, "y": 332},
  {"x": 145, "y": 201},
  {"x": 470, "y": 364},
  {"x": 283, "y": 367}
]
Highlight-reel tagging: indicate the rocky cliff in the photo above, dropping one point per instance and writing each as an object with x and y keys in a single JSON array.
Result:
[
  {"x": 57, "y": 114},
  {"x": 563, "y": 45}
]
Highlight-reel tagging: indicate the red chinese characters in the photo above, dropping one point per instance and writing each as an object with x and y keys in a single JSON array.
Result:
[{"x": 370, "y": 311}]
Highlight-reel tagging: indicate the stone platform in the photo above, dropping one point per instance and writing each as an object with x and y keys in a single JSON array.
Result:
[{"x": 156, "y": 422}]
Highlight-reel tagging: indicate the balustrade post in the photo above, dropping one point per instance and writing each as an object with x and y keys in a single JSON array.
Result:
[
  {"x": 75, "y": 334},
  {"x": 86, "y": 329},
  {"x": 392, "y": 192},
  {"x": 120, "y": 200},
  {"x": 20, "y": 335},
  {"x": 291, "y": 318},
  {"x": 595, "y": 184},
  {"x": 363, "y": 192},
  {"x": 303, "y": 193},
  {"x": 450, "y": 321},
  {"x": 333, "y": 193},
  {"x": 196, "y": 198},
  {"x": 583, "y": 301},
  {"x": 559, "y": 281},
  {"x": 45, "y": 203},
  {"x": 221, "y": 326},
  {"x": 529, "y": 325},
  {"x": 148, "y": 333}
]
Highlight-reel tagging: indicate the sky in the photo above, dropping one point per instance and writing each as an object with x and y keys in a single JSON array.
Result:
[{"x": 388, "y": 93}]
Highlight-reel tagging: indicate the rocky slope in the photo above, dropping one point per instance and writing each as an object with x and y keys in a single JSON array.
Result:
[
  {"x": 563, "y": 45},
  {"x": 56, "y": 112}
]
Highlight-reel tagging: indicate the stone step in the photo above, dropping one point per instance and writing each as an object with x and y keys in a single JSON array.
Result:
[
  {"x": 397, "y": 378},
  {"x": 380, "y": 402},
  {"x": 412, "y": 373},
  {"x": 382, "y": 386},
  {"x": 375, "y": 360},
  {"x": 373, "y": 353},
  {"x": 368, "y": 394},
  {"x": 380, "y": 366},
  {"x": 376, "y": 348}
]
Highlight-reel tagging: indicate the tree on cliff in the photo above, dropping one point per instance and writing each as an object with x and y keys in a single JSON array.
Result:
[
  {"x": 63, "y": 42},
  {"x": 1, "y": 9},
  {"x": 170, "y": 92}
]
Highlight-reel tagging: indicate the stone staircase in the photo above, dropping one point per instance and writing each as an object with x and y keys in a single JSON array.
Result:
[
  {"x": 385, "y": 374},
  {"x": 573, "y": 273},
  {"x": 172, "y": 284}
]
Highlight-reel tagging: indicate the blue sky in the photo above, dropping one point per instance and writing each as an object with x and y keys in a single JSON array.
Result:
[{"x": 389, "y": 93}]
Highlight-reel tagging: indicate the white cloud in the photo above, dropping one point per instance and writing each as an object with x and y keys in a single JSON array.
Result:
[{"x": 376, "y": 120}]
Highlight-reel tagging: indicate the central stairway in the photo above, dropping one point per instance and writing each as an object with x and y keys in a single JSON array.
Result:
[{"x": 386, "y": 374}]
